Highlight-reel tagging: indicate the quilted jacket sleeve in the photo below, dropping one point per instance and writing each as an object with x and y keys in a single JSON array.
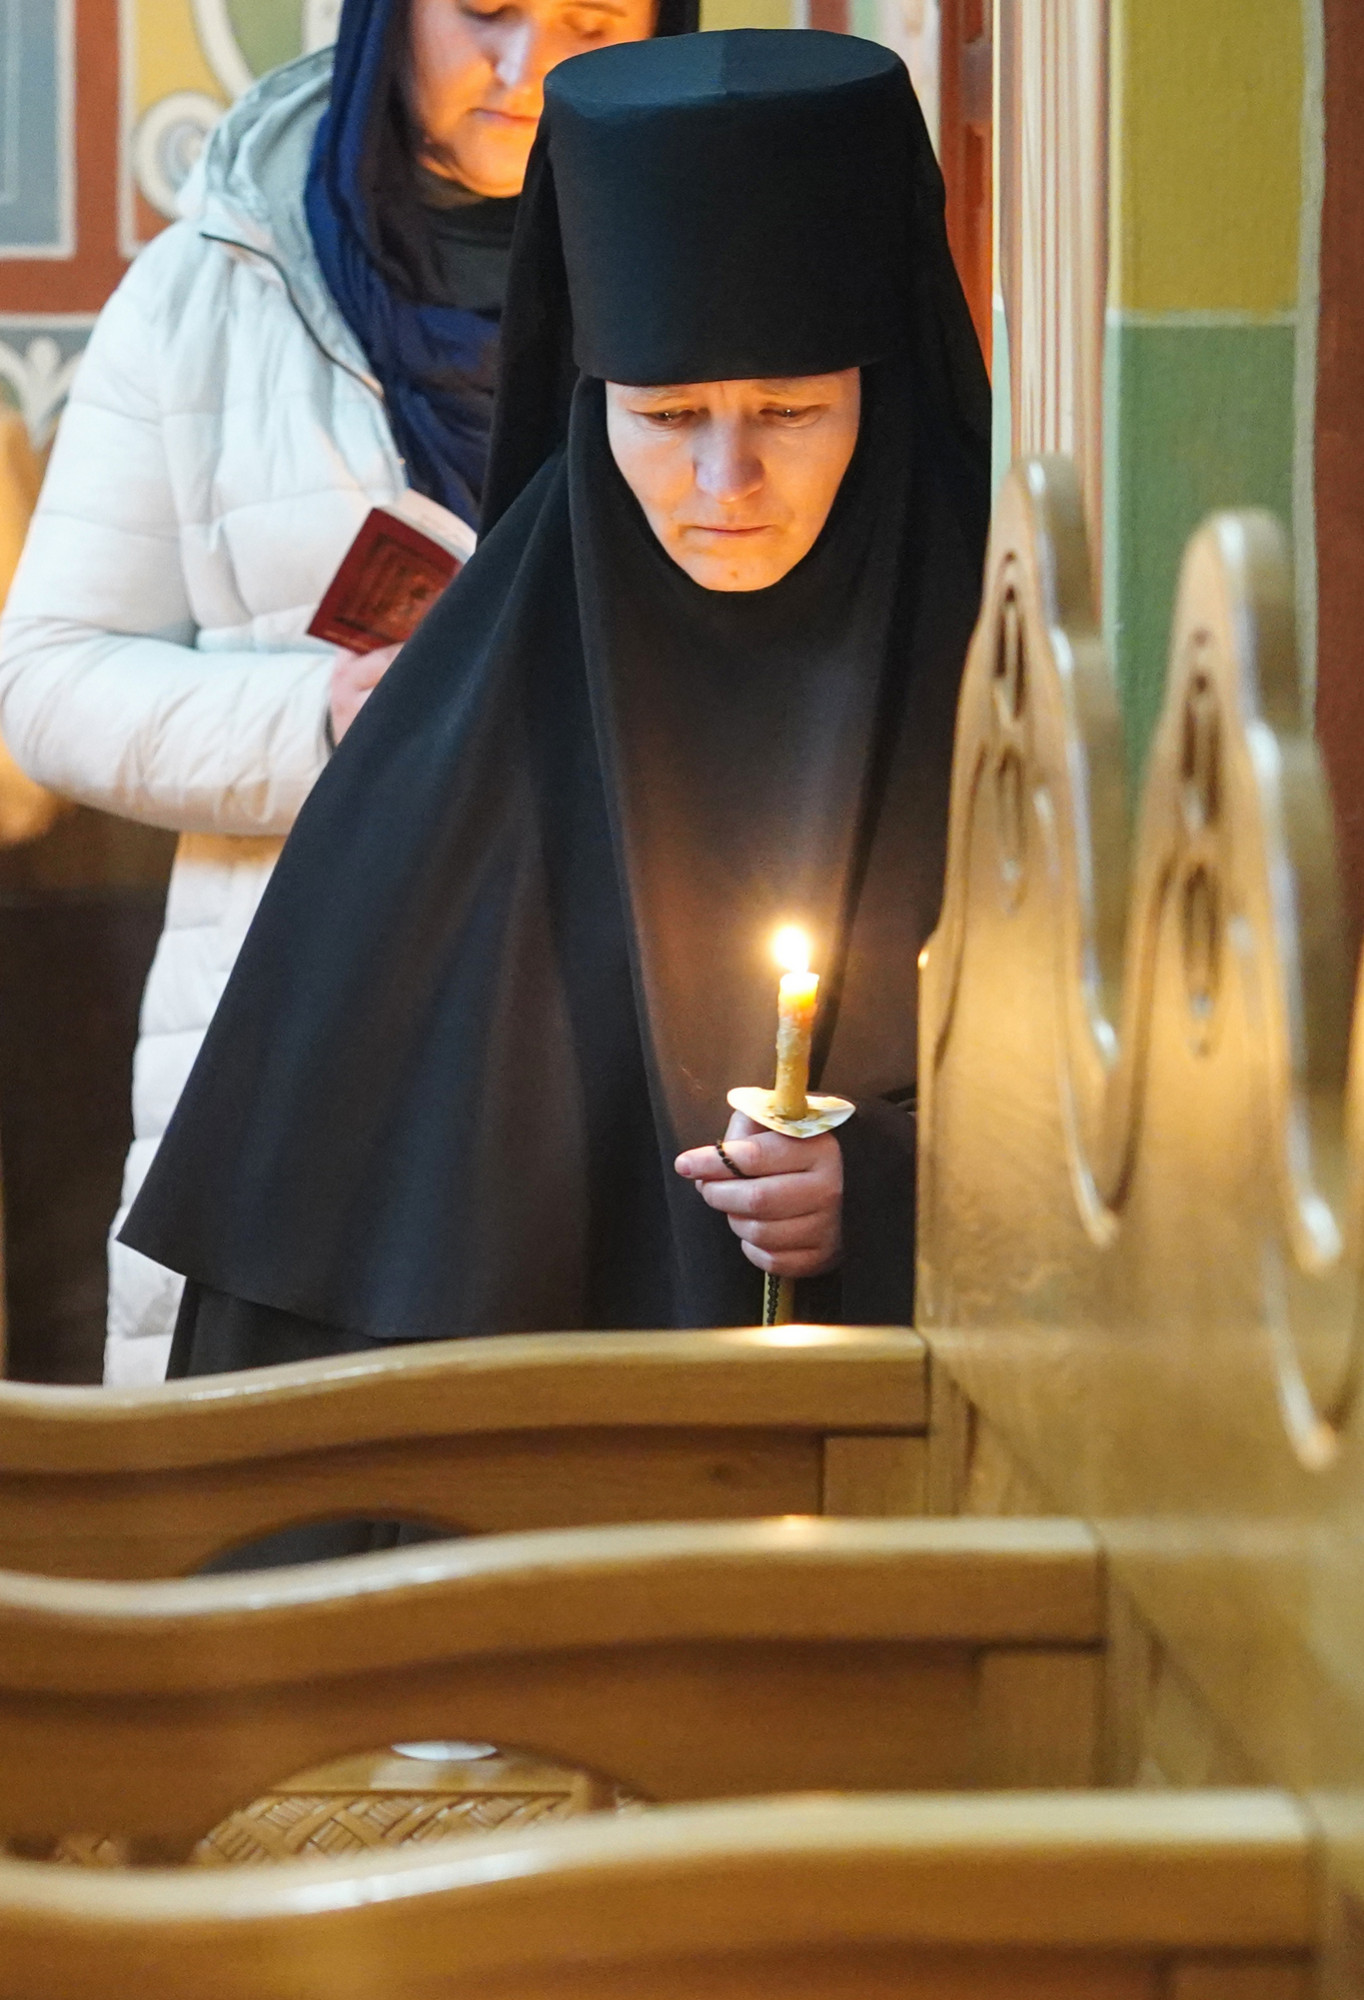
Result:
[{"x": 103, "y": 696}]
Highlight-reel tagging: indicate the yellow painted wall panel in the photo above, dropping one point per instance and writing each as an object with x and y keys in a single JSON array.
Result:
[
  {"x": 1207, "y": 104},
  {"x": 167, "y": 53},
  {"x": 746, "y": 13}
]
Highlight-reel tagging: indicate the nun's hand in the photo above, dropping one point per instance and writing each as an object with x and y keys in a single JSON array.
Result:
[
  {"x": 788, "y": 1211},
  {"x": 354, "y": 679}
]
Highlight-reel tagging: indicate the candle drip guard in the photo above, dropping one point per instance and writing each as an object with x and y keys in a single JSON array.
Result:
[{"x": 822, "y": 1114}]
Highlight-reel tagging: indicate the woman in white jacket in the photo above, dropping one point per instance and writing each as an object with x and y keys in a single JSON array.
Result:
[{"x": 271, "y": 366}]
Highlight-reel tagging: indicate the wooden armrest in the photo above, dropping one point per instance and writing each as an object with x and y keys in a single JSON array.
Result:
[{"x": 1081, "y": 1895}]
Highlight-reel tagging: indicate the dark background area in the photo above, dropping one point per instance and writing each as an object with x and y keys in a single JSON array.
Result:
[{"x": 80, "y": 914}]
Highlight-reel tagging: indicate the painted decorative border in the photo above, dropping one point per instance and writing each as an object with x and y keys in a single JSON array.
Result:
[
  {"x": 24, "y": 157},
  {"x": 182, "y": 63},
  {"x": 218, "y": 40},
  {"x": 39, "y": 355}
]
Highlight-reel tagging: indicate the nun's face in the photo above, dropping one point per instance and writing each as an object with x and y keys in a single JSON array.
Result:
[
  {"x": 736, "y": 479},
  {"x": 477, "y": 80}
]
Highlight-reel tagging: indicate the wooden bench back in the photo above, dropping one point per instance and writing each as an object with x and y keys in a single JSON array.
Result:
[
  {"x": 1140, "y": 1154},
  {"x": 684, "y": 1662},
  {"x": 1038, "y": 1897},
  {"x": 527, "y": 1431}
]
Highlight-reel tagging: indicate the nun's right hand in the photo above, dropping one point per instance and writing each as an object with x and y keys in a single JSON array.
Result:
[
  {"x": 783, "y": 1197},
  {"x": 354, "y": 679}
]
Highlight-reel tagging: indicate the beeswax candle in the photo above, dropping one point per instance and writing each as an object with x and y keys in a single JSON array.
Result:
[{"x": 797, "y": 997}]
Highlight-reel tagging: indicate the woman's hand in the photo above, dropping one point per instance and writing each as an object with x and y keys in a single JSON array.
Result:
[
  {"x": 788, "y": 1213},
  {"x": 354, "y": 679}
]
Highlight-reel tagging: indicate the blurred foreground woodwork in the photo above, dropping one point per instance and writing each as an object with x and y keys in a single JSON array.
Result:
[
  {"x": 1142, "y": 1175},
  {"x": 702, "y": 1660},
  {"x": 1141, "y": 1158},
  {"x": 553, "y": 1430},
  {"x": 1036, "y": 1897},
  {"x": 475, "y": 1436}
]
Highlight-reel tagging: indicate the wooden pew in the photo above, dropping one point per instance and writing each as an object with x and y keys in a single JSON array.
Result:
[
  {"x": 479, "y": 1436},
  {"x": 1139, "y": 1232},
  {"x": 682, "y": 1662},
  {"x": 1033, "y": 1897},
  {"x": 527, "y": 1431},
  {"x": 1141, "y": 1157}
]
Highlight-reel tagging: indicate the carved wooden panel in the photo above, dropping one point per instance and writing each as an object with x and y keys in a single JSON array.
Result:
[{"x": 1140, "y": 1173}]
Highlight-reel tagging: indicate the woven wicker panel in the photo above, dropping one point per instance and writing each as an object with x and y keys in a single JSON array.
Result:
[
  {"x": 329, "y": 1825},
  {"x": 381, "y": 1799}
]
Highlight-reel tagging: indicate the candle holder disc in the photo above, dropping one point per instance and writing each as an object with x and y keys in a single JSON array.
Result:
[{"x": 822, "y": 1114}]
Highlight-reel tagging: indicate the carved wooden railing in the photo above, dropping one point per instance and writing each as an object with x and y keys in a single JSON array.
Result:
[{"x": 1140, "y": 1253}]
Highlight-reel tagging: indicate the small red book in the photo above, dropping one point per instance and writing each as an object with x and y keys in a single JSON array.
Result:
[{"x": 392, "y": 573}]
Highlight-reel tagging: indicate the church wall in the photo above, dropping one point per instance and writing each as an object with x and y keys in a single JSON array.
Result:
[
  {"x": 1201, "y": 334},
  {"x": 746, "y": 14},
  {"x": 115, "y": 98}
]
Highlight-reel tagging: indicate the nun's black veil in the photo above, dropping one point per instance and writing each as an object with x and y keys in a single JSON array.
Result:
[{"x": 516, "y": 948}]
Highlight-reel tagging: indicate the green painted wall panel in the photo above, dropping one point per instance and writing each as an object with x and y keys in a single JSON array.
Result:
[{"x": 1197, "y": 417}]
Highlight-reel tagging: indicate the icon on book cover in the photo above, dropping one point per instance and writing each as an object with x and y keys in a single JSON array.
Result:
[{"x": 393, "y": 572}]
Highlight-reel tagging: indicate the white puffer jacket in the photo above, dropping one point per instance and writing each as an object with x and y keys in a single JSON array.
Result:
[{"x": 223, "y": 442}]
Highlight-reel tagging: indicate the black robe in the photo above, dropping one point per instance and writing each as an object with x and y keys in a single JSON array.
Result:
[{"x": 516, "y": 949}]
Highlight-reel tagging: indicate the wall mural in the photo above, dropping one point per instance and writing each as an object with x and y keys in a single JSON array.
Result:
[
  {"x": 38, "y": 357},
  {"x": 139, "y": 127},
  {"x": 38, "y": 353},
  {"x": 105, "y": 106},
  {"x": 188, "y": 59}
]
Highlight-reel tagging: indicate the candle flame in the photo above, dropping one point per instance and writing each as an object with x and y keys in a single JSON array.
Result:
[{"x": 791, "y": 949}]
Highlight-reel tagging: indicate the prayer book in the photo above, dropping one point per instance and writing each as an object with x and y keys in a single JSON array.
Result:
[{"x": 392, "y": 573}]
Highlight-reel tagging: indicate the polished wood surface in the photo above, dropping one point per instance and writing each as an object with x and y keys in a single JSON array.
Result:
[
  {"x": 526, "y": 1431},
  {"x": 1141, "y": 1150},
  {"x": 686, "y": 1661},
  {"x": 1032, "y": 1897}
]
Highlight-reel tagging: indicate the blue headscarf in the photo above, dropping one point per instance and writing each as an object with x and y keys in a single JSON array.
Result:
[{"x": 436, "y": 364}]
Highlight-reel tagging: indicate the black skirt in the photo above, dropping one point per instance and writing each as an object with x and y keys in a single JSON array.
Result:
[{"x": 218, "y": 1335}]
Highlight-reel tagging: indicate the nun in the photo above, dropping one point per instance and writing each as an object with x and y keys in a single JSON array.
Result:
[{"x": 700, "y": 679}]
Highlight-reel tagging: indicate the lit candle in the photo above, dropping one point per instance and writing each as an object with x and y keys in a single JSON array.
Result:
[{"x": 796, "y": 998}]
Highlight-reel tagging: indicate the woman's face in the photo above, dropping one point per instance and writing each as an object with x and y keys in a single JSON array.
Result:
[
  {"x": 736, "y": 479},
  {"x": 477, "y": 79}
]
